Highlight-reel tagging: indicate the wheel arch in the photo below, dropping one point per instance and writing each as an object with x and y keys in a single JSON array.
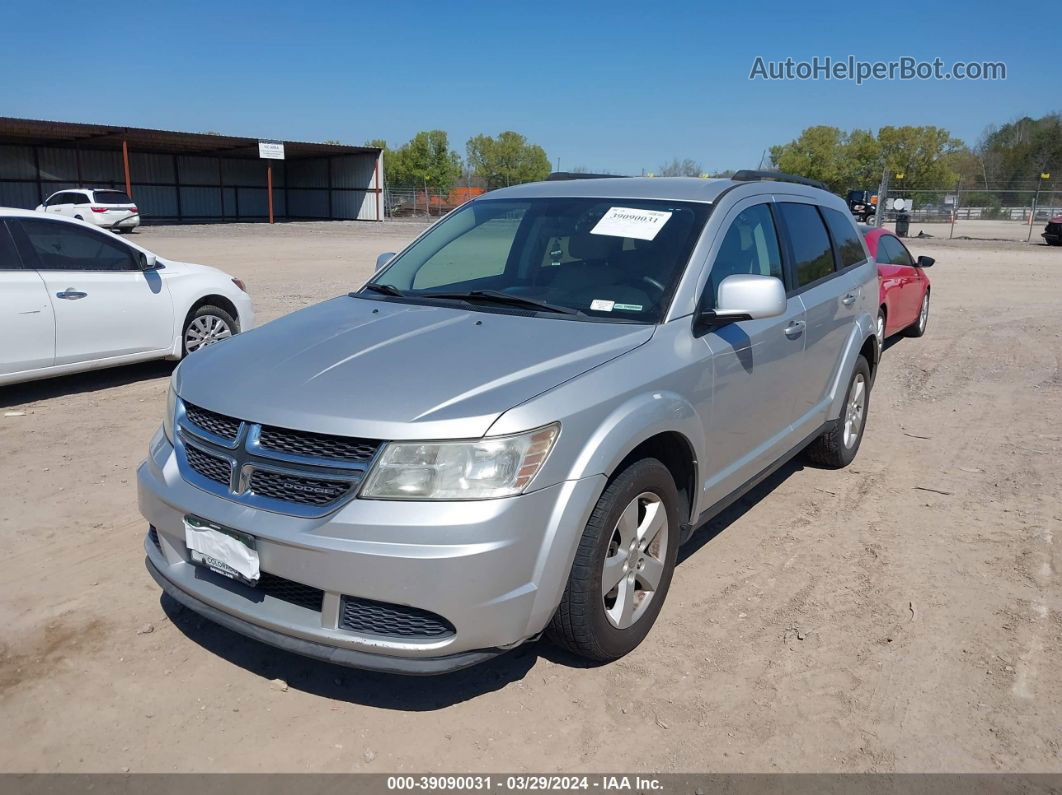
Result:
[
  {"x": 675, "y": 452},
  {"x": 861, "y": 342},
  {"x": 211, "y": 299}
]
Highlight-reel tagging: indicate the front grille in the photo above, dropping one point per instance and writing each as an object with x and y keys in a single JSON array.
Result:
[
  {"x": 379, "y": 618},
  {"x": 1054, "y": 229},
  {"x": 295, "y": 488},
  {"x": 290, "y": 591},
  {"x": 153, "y": 534},
  {"x": 217, "y": 424},
  {"x": 317, "y": 445},
  {"x": 209, "y": 466}
]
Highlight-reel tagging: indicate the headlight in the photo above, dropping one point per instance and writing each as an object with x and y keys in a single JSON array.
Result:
[
  {"x": 473, "y": 470},
  {"x": 171, "y": 408}
]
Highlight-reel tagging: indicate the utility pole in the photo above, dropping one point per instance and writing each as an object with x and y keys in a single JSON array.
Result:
[
  {"x": 955, "y": 210},
  {"x": 1036, "y": 200},
  {"x": 883, "y": 191}
]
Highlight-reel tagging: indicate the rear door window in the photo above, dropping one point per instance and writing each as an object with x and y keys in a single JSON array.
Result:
[
  {"x": 810, "y": 244},
  {"x": 9, "y": 260}
]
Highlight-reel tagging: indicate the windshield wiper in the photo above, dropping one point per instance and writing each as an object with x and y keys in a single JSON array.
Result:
[
  {"x": 385, "y": 289},
  {"x": 497, "y": 297}
]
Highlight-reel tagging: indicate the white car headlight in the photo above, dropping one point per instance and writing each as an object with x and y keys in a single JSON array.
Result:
[
  {"x": 501, "y": 466},
  {"x": 171, "y": 408}
]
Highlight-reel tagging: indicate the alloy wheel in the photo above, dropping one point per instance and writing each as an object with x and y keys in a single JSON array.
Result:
[
  {"x": 854, "y": 410},
  {"x": 634, "y": 562}
]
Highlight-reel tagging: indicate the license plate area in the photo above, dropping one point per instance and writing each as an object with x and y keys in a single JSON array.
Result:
[{"x": 223, "y": 550}]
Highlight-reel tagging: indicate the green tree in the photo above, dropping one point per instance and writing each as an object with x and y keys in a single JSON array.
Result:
[
  {"x": 922, "y": 154},
  {"x": 506, "y": 160},
  {"x": 426, "y": 160},
  {"x": 846, "y": 161},
  {"x": 1013, "y": 156}
]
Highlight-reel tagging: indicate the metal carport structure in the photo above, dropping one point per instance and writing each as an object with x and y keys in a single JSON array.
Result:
[{"x": 189, "y": 177}]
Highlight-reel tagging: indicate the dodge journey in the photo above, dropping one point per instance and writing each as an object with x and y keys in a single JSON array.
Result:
[{"x": 510, "y": 429}]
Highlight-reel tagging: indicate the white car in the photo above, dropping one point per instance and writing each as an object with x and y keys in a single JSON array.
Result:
[
  {"x": 73, "y": 297},
  {"x": 104, "y": 207}
]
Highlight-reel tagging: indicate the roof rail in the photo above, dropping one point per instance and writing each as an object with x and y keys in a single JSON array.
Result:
[
  {"x": 748, "y": 175},
  {"x": 559, "y": 176}
]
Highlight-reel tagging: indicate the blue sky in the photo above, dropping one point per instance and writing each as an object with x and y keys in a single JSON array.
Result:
[{"x": 612, "y": 86}]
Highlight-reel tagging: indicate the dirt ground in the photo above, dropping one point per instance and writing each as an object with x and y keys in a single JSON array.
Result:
[{"x": 901, "y": 615}]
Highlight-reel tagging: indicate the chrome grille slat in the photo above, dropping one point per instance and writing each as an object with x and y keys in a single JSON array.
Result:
[{"x": 302, "y": 473}]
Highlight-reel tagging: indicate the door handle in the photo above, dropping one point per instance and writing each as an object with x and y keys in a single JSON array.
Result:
[
  {"x": 70, "y": 294},
  {"x": 794, "y": 329},
  {"x": 849, "y": 299}
]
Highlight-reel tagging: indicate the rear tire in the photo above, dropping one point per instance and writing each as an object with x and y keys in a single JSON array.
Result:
[
  {"x": 632, "y": 538},
  {"x": 837, "y": 446},
  {"x": 918, "y": 328},
  {"x": 207, "y": 325}
]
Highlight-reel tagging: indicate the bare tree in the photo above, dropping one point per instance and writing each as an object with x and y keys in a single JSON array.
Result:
[{"x": 681, "y": 168}]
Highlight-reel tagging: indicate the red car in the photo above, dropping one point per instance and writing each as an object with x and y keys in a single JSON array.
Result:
[{"x": 903, "y": 287}]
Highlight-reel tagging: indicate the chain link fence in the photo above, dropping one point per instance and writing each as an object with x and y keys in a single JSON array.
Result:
[
  {"x": 409, "y": 202},
  {"x": 976, "y": 213}
]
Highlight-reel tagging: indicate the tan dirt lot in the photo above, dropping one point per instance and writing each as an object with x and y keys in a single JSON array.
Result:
[{"x": 901, "y": 615}]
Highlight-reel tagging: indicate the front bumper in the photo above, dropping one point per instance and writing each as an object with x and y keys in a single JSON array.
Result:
[{"x": 494, "y": 569}]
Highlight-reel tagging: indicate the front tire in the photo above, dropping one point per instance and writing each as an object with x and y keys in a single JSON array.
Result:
[
  {"x": 623, "y": 566},
  {"x": 918, "y": 328},
  {"x": 207, "y": 325},
  {"x": 837, "y": 446}
]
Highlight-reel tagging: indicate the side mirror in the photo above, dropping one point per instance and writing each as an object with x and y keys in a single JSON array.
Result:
[
  {"x": 745, "y": 297},
  {"x": 383, "y": 259},
  {"x": 148, "y": 262},
  {"x": 925, "y": 262}
]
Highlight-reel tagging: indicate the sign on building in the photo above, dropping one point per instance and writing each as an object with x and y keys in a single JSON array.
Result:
[{"x": 271, "y": 150}]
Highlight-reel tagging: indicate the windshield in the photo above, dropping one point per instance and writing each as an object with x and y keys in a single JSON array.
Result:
[
  {"x": 112, "y": 197},
  {"x": 614, "y": 259}
]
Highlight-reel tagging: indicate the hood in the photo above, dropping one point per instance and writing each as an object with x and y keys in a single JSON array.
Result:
[
  {"x": 1055, "y": 220},
  {"x": 387, "y": 370},
  {"x": 176, "y": 268}
]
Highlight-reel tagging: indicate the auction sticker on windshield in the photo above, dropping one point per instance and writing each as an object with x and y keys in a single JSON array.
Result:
[{"x": 629, "y": 222}]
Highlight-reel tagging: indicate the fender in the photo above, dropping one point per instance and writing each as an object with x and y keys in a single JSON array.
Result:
[
  {"x": 633, "y": 422},
  {"x": 628, "y": 425}
]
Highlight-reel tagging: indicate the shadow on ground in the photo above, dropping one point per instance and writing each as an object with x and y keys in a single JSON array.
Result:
[
  {"x": 410, "y": 693},
  {"x": 385, "y": 691},
  {"x": 93, "y": 381}
]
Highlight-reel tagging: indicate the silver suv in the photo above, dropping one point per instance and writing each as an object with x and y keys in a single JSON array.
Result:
[{"x": 512, "y": 427}]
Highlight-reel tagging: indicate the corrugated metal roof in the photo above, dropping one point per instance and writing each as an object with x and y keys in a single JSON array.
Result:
[{"x": 141, "y": 139}]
